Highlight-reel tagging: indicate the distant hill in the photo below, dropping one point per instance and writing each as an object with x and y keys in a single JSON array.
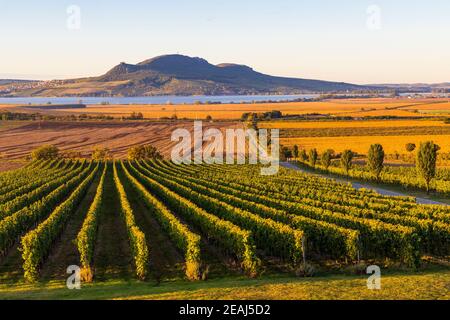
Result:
[
  {"x": 417, "y": 87},
  {"x": 178, "y": 75},
  {"x": 8, "y": 81}
]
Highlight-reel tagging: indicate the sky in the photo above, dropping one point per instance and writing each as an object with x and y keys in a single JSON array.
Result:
[{"x": 358, "y": 41}]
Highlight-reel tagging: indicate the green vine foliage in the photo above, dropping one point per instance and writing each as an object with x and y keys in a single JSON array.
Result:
[
  {"x": 21, "y": 221},
  {"x": 137, "y": 239},
  {"x": 226, "y": 234},
  {"x": 37, "y": 243},
  {"x": 88, "y": 234},
  {"x": 185, "y": 240}
]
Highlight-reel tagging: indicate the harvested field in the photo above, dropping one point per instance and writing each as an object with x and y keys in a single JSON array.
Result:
[
  {"x": 337, "y": 107},
  {"x": 442, "y": 106},
  {"x": 361, "y": 144},
  {"x": 302, "y": 129},
  {"x": 366, "y": 131},
  {"x": 351, "y": 124},
  {"x": 359, "y": 135},
  {"x": 390, "y": 113},
  {"x": 118, "y": 136},
  {"x": 6, "y": 165}
]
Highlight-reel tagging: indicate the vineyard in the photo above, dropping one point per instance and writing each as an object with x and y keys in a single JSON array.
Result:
[{"x": 152, "y": 219}]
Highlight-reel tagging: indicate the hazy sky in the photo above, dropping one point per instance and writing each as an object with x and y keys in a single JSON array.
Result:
[{"x": 348, "y": 40}]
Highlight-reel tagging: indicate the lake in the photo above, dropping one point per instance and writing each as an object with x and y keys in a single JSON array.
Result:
[{"x": 153, "y": 100}]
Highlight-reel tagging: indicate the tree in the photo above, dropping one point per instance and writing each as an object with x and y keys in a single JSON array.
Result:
[
  {"x": 45, "y": 152},
  {"x": 143, "y": 152},
  {"x": 346, "y": 160},
  {"x": 426, "y": 161},
  {"x": 375, "y": 159},
  {"x": 296, "y": 151},
  {"x": 286, "y": 153},
  {"x": 276, "y": 114},
  {"x": 303, "y": 155},
  {"x": 410, "y": 147},
  {"x": 101, "y": 154},
  {"x": 326, "y": 158},
  {"x": 245, "y": 116},
  {"x": 313, "y": 157},
  {"x": 136, "y": 116}
]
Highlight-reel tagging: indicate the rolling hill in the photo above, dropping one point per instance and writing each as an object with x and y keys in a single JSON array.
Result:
[{"x": 177, "y": 75}]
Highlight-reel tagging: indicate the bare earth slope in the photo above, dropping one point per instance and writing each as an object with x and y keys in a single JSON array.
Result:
[{"x": 118, "y": 136}]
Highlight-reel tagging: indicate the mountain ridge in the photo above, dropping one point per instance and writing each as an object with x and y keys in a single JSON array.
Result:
[{"x": 176, "y": 74}]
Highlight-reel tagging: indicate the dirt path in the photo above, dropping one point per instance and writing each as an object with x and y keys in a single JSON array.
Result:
[
  {"x": 361, "y": 185},
  {"x": 112, "y": 257},
  {"x": 11, "y": 266},
  {"x": 64, "y": 253}
]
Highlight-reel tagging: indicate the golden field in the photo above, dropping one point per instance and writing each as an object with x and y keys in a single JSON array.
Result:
[
  {"x": 441, "y": 106},
  {"x": 296, "y": 133},
  {"x": 384, "y": 113},
  {"x": 358, "y": 140},
  {"x": 361, "y": 144},
  {"x": 337, "y": 107},
  {"x": 350, "y": 124}
]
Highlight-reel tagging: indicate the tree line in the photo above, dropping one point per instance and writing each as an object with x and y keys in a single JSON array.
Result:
[
  {"x": 139, "y": 152},
  {"x": 426, "y": 158}
]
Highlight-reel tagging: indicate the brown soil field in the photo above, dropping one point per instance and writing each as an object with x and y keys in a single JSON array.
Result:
[
  {"x": 118, "y": 136},
  {"x": 6, "y": 165}
]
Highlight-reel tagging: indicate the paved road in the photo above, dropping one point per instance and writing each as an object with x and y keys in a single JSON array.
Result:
[{"x": 361, "y": 186}]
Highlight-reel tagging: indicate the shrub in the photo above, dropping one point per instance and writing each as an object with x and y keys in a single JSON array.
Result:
[
  {"x": 410, "y": 147},
  {"x": 101, "y": 154},
  {"x": 286, "y": 153},
  {"x": 46, "y": 152},
  {"x": 143, "y": 152}
]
